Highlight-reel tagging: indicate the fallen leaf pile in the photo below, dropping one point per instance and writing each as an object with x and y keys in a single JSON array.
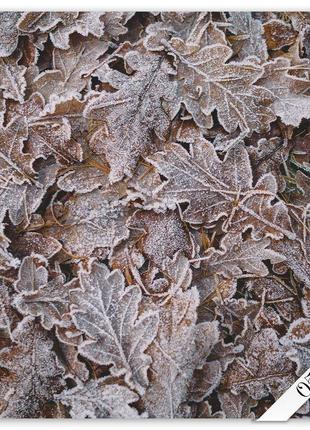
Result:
[{"x": 155, "y": 206}]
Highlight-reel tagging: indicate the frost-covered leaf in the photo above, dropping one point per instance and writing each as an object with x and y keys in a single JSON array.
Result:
[
  {"x": 179, "y": 348},
  {"x": 108, "y": 313},
  {"x": 83, "y": 180},
  {"x": 208, "y": 82},
  {"x": 298, "y": 338},
  {"x": 21, "y": 200},
  {"x": 100, "y": 398},
  {"x": 237, "y": 405},
  {"x": 205, "y": 380},
  {"x": 31, "y": 374},
  {"x": 71, "y": 69},
  {"x": 130, "y": 116},
  {"x": 90, "y": 221},
  {"x": 279, "y": 34},
  {"x": 161, "y": 235},
  {"x": 236, "y": 256},
  {"x": 248, "y": 38},
  {"x": 269, "y": 157},
  {"x": 277, "y": 294},
  {"x": 12, "y": 80},
  {"x": 54, "y": 138},
  {"x": 8, "y": 32},
  {"x": 265, "y": 368},
  {"x": 215, "y": 188},
  {"x": 291, "y": 103},
  {"x": 36, "y": 243},
  {"x": 40, "y": 297},
  {"x": 44, "y": 21}
]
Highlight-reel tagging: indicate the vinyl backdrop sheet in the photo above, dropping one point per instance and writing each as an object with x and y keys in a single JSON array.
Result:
[{"x": 154, "y": 208}]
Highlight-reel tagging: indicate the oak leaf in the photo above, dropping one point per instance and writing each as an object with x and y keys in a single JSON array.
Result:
[
  {"x": 118, "y": 334},
  {"x": 132, "y": 114},
  {"x": 215, "y": 189},
  {"x": 32, "y": 374}
]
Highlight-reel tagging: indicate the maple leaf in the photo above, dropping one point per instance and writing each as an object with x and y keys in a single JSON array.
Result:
[
  {"x": 8, "y": 32},
  {"x": 179, "y": 348},
  {"x": 108, "y": 313},
  {"x": 100, "y": 398},
  {"x": 215, "y": 188},
  {"x": 237, "y": 256},
  {"x": 207, "y": 82},
  {"x": 32, "y": 375},
  {"x": 291, "y": 102},
  {"x": 132, "y": 114},
  {"x": 39, "y": 297}
]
